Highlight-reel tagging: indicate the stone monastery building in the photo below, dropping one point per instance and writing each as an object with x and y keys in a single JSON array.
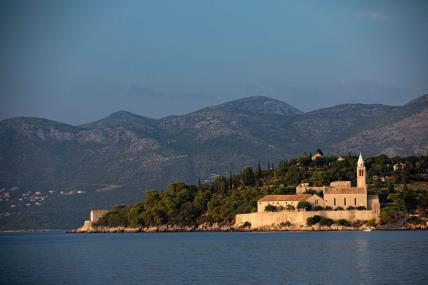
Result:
[
  {"x": 340, "y": 194},
  {"x": 339, "y": 200}
]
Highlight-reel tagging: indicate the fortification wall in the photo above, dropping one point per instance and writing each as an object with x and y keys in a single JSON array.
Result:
[
  {"x": 263, "y": 219},
  {"x": 97, "y": 214}
]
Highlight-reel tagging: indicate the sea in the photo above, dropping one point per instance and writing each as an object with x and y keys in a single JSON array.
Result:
[{"x": 390, "y": 257}]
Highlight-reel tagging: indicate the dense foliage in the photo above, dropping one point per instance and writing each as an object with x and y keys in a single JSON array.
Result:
[{"x": 220, "y": 200}]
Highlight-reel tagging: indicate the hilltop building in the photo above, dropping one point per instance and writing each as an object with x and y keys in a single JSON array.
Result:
[
  {"x": 339, "y": 200},
  {"x": 317, "y": 155},
  {"x": 399, "y": 166}
]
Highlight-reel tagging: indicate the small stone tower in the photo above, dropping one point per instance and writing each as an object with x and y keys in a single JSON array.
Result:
[{"x": 361, "y": 173}]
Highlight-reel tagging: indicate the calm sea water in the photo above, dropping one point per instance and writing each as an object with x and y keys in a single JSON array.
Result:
[{"x": 215, "y": 258}]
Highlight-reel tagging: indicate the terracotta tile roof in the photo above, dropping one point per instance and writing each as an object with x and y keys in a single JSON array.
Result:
[
  {"x": 347, "y": 190},
  {"x": 298, "y": 197}
]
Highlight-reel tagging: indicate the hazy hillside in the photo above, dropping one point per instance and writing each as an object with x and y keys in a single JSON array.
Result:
[{"x": 115, "y": 159}]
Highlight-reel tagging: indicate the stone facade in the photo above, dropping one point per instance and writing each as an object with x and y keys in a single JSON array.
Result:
[
  {"x": 285, "y": 201},
  {"x": 303, "y": 187},
  {"x": 97, "y": 214},
  {"x": 345, "y": 197}
]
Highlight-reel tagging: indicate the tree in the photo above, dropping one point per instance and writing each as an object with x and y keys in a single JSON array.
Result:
[
  {"x": 290, "y": 208},
  {"x": 271, "y": 208},
  {"x": 388, "y": 214},
  {"x": 259, "y": 171},
  {"x": 319, "y": 178},
  {"x": 133, "y": 214},
  {"x": 423, "y": 203},
  {"x": 304, "y": 205},
  {"x": 247, "y": 176},
  {"x": 397, "y": 202},
  {"x": 410, "y": 199}
]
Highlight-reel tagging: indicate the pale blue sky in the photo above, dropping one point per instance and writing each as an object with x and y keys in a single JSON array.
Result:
[{"x": 77, "y": 61}]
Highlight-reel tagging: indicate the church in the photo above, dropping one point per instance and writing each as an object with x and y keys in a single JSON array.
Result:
[
  {"x": 339, "y": 195},
  {"x": 339, "y": 200}
]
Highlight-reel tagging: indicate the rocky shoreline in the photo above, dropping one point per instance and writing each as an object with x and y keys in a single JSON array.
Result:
[{"x": 231, "y": 228}]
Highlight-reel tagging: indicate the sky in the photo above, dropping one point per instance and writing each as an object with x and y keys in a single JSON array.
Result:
[{"x": 78, "y": 61}]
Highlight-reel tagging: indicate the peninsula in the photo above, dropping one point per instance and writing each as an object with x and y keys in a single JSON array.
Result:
[{"x": 265, "y": 199}]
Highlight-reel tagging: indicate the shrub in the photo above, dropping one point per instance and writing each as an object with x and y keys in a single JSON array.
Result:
[
  {"x": 318, "y": 208},
  {"x": 304, "y": 205},
  {"x": 271, "y": 208},
  {"x": 246, "y": 225},
  {"x": 328, "y": 208},
  {"x": 343, "y": 222},
  {"x": 326, "y": 221},
  {"x": 285, "y": 224},
  {"x": 338, "y": 209},
  {"x": 389, "y": 214},
  {"x": 371, "y": 222},
  {"x": 361, "y": 208},
  {"x": 313, "y": 220},
  {"x": 415, "y": 220},
  {"x": 290, "y": 208},
  {"x": 350, "y": 208}
]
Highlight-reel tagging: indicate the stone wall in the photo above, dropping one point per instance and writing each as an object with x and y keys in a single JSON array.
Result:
[
  {"x": 97, "y": 214},
  {"x": 265, "y": 219}
]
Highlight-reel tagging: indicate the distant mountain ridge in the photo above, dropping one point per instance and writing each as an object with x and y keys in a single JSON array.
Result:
[{"x": 113, "y": 160}]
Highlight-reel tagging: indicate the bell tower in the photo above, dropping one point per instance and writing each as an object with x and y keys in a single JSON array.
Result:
[{"x": 361, "y": 173}]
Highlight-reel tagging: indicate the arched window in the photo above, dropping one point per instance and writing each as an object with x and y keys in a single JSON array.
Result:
[
  {"x": 344, "y": 201},
  {"x": 334, "y": 201},
  {"x": 355, "y": 201}
]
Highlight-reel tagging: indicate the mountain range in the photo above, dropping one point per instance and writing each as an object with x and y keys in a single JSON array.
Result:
[{"x": 68, "y": 170}]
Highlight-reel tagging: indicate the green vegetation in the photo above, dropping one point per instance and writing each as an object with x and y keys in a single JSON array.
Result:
[
  {"x": 323, "y": 221},
  {"x": 304, "y": 205},
  {"x": 371, "y": 222},
  {"x": 326, "y": 221},
  {"x": 271, "y": 208},
  {"x": 343, "y": 222},
  {"x": 313, "y": 220},
  {"x": 290, "y": 208},
  {"x": 285, "y": 224},
  {"x": 401, "y": 192}
]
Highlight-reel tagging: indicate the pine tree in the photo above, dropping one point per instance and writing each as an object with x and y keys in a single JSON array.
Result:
[{"x": 259, "y": 171}]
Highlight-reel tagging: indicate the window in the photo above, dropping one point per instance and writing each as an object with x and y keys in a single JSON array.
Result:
[
  {"x": 344, "y": 201},
  {"x": 355, "y": 201},
  {"x": 316, "y": 202},
  {"x": 334, "y": 201}
]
